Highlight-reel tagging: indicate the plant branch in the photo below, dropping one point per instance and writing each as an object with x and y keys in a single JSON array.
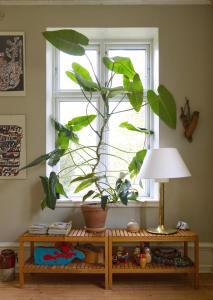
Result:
[
  {"x": 95, "y": 131},
  {"x": 98, "y": 111},
  {"x": 108, "y": 154},
  {"x": 118, "y": 148}
]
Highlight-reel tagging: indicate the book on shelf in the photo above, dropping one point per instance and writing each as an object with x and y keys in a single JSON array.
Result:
[
  {"x": 60, "y": 228},
  {"x": 38, "y": 228},
  {"x": 56, "y": 228}
]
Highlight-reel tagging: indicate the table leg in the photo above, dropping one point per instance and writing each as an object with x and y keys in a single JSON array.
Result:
[
  {"x": 106, "y": 265},
  {"x": 185, "y": 249},
  {"x": 110, "y": 263},
  {"x": 21, "y": 264},
  {"x": 196, "y": 262}
]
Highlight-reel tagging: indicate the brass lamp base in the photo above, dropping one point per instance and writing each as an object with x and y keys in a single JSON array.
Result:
[{"x": 162, "y": 230}]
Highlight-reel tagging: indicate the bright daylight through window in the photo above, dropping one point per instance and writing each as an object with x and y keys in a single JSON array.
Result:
[{"x": 120, "y": 145}]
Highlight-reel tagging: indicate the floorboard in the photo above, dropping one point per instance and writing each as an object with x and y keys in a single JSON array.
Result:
[{"x": 125, "y": 287}]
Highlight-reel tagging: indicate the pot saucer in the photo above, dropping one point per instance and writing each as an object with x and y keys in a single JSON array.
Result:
[{"x": 90, "y": 229}]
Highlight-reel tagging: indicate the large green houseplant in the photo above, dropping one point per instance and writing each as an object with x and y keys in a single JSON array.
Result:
[{"x": 67, "y": 140}]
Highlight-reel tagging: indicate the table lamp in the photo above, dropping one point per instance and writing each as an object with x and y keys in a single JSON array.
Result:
[{"x": 163, "y": 164}]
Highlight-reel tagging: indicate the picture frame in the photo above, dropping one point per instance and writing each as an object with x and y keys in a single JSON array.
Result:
[
  {"x": 12, "y": 146},
  {"x": 12, "y": 64}
]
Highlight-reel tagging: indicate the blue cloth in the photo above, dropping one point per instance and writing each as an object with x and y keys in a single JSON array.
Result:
[{"x": 53, "y": 256}]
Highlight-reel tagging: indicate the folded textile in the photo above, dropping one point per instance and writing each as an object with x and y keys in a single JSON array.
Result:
[{"x": 53, "y": 256}]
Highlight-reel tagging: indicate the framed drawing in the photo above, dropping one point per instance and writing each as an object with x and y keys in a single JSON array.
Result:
[
  {"x": 12, "y": 146},
  {"x": 12, "y": 64}
]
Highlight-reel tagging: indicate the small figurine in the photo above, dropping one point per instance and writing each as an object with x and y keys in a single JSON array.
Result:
[
  {"x": 137, "y": 251},
  {"x": 143, "y": 260},
  {"x": 121, "y": 256},
  {"x": 148, "y": 255}
]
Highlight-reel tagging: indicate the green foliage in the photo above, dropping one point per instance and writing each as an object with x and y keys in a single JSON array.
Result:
[
  {"x": 136, "y": 163},
  {"x": 124, "y": 191},
  {"x": 131, "y": 127},
  {"x": 81, "y": 76},
  {"x": 134, "y": 89},
  {"x": 120, "y": 65},
  {"x": 51, "y": 187},
  {"x": 88, "y": 195},
  {"x": 78, "y": 123},
  {"x": 66, "y": 133},
  {"x": 85, "y": 184},
  {"x": 163, "y": 105},
  {"x": 67, "y": 40}
]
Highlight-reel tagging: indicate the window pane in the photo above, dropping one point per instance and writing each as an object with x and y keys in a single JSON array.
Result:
[
  {"x": 65, "y": 64},
  {"x": 138, "y": 58},
  {"x": 81, "y": 160},
  {"x": 124, "y": 139}
]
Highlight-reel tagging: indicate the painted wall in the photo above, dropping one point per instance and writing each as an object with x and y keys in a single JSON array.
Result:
[{"x": 186, "y": 64}]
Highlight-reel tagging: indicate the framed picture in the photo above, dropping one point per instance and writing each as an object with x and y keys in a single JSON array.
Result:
[
  {"x": 12, "y": 146},
  {"x": 12, "y": 64}
]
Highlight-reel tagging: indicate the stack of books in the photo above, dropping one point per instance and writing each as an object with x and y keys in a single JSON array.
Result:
[
  {"x": 59, "y": 228},
  {"x": 38, "y": 229}
]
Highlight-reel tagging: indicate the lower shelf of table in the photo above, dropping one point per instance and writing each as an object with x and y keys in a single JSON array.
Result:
[
  {"x": 150, "y": 268},
  {"x": 74, "y": 267}
]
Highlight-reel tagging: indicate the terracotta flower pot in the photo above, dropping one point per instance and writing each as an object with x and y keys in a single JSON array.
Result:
[{"x": 94, "y": 217}]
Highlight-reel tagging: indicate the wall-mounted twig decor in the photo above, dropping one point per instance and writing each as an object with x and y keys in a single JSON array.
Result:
[{"x": 189, "y": 120}]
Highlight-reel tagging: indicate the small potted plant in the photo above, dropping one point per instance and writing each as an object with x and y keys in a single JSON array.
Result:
[{"x": 67, "y": 140}]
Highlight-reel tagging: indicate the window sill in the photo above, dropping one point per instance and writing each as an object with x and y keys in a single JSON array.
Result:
[{"x": 143, "y": 203}]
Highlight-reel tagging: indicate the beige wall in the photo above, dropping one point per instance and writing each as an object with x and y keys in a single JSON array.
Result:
[{"x": 186, "y": 64}]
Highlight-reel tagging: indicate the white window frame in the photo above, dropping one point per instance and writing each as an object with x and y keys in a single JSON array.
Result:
[{"x": 54, "y": 94}]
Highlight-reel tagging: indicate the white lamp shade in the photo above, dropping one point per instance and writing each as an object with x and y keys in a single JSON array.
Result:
[{"x": 163, "y": 163}]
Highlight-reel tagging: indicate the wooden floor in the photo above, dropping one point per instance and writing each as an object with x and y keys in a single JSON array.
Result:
[{"x": 125, "y": 287}]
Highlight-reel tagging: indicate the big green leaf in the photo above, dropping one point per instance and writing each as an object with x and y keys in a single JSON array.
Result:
[
  {"x": 120, "y": 65},
  {"x": 37, "y": 161},
  {"x": 163, "y": 105},
  {"x": 86, "y": 183},
  {"x": 53, "y": 180},
  {"x": 50, "y": 199},
  {"x": 55, "y": 157},
  {"x": 62, "y": 140},
  {"x": 40, "y": 159},
  {"x": 67, "y": 40},
  {"x": 86, "y": 85},
  {"x": 77, "y": 68},
  {"x": 131, "y": 127},
  {"x": 60, "y": 189},
  {"x": 133, "y": 195},
  {"x": 136, "y": 163},
  {"x": 78, "y": 123},
  {"x": 65, "y": 134},
  {"x": 83, "y": 78},
  {"x": 104, "y": 200},
  {"x": 80, "y": 178},
  {"x": 134, "y": 90},
  {"x": 71, "y": 75},
  {"x": 61, "y": 128},
  {"x": 51, "y": 187},
  {"x": 88, "y": 194},
  {"x": 123, "y": 190},
  {"x": 115, "y": 92}
]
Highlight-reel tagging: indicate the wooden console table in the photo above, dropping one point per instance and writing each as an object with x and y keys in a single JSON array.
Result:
[
  {"x": 123, "y": 236},
  {"x": 75, "y": 235}
]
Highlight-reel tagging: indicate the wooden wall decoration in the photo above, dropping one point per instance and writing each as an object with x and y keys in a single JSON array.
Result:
[{"x": 189, "y": 120}]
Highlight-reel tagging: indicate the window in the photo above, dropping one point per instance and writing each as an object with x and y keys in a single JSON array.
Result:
[{"x": 68, "y": 102}]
